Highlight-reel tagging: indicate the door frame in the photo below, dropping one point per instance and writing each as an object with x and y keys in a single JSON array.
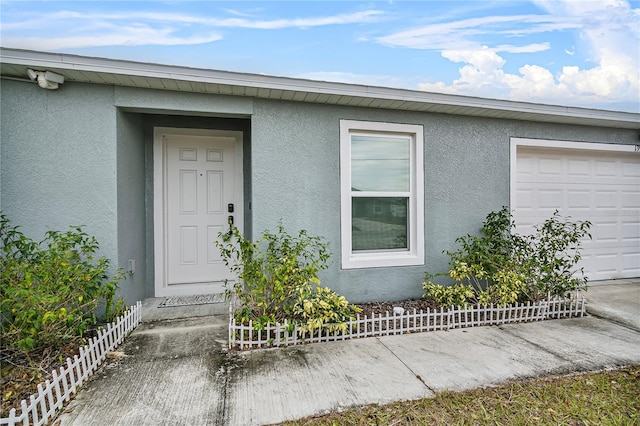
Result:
[{"x": 160, "y": 163}]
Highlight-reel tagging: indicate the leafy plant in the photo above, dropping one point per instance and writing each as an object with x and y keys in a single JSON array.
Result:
[
  {"x": 50, "y": 290},
  {"x": 492, "y": 250},
  {"x": 276, "y": 279},
  {"x": 502, "y": 267},
  {"x": 507, "y": 287},
  {"x": 454, "y": 295},
  {"x": 324, "y": 308},
  {"x": 548, "y": 258}
]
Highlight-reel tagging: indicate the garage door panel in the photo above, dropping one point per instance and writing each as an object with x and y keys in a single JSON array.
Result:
[
  {"x": 606, "y": 263},
  {"x": 525, "y": 199},
  {"x": 579, "y": 168},
  {"x": 550, "y": 167},
  {"x": 630, "y": 199},
  {"x": 550, "y": 199},
  {"x": 631, "y": 264},
  {"x": 631, "y": 231},
  {"x": 579, "y": 199},
  {"x": 630, "y": 170},
  {"x": 605, "y": 231},
  {"x": 606, "y": 169},
  {"x": 603, "y": 266},
  {"x": 606, "y": 199},
  {"x": 599, "y": 186},
  {"x": 525, "y": 166}
]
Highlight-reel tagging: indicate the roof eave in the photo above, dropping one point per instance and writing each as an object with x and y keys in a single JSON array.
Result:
[{"x": 274, "y": 87}]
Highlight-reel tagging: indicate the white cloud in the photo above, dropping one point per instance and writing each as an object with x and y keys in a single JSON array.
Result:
[
  {"x": 179, "y": 18},
  {"x": 610, "y": 30},
  {"x": 464, "y": 34},
  {"x": 150, "y": 28},
  {"x": 528, "y": 48},
  {"x": 483, "y": 60},
  {"x": 340, "y": 19},
  {"x": 129, "y": 36}
]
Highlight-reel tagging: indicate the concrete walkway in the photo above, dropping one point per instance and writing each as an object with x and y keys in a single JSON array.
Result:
[{"x": 177, "y": 371}]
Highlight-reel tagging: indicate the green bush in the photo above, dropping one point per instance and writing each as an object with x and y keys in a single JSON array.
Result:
[
  {"x": 548, "y": 258},
  {"x": 324, "y": 308},
  {"x": 50, "y": 290},
  {"x": 276, "y": 280},
  {"x": 453, "y": 295},
  {"x": 501, "y": 267}
]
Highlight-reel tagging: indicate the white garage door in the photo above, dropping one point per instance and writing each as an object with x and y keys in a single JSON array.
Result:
[{"x": 602, "y": 187}]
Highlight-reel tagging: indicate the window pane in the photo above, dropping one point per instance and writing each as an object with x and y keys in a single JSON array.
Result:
[
  {"x": 379, "y": 223},
  {"x": 380, "y": 163}
]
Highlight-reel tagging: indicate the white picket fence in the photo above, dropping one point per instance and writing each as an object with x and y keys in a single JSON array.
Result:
[
  {"x": 51, "y": 396},
  {"x": 246, "y": 337}
]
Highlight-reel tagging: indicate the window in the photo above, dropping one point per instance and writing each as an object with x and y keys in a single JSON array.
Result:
[{"x": 382, "y": 186}]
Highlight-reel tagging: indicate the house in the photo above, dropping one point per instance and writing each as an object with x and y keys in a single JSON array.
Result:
[{"x": 154, "y": 160}]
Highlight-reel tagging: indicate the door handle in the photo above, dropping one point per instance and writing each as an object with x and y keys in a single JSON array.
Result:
[{"x": 230, "y": 220}]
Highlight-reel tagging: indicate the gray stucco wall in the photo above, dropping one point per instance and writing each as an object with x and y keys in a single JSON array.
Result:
[
  {"x": 59, "y": 160},
  {"x": 296, "y": 175},
  {"x": 83, "y": 155},
  {"x": 131, "y": 204}
]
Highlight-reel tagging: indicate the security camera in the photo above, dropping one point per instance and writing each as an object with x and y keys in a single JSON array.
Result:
[
  {"x": 53, "y": 77},
  {"x": 32, "y": 74},
  {"x": 46, "y": 79}
]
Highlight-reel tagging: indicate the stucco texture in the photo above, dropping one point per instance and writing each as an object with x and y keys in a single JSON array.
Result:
[
  {"x": 131, "y": 204},
  {"x": 296, "y": 178},
  {"x": 83, "y": 155},
  {"x": 59, "y": 160}
]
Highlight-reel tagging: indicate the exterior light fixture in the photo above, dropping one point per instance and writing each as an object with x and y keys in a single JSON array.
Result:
[{"x": 46, "y": 79}]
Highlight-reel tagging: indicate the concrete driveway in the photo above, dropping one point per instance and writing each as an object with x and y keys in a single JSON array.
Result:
[
  {"x": 618, "y": 301},
  {"x": 177, "y": 371}
]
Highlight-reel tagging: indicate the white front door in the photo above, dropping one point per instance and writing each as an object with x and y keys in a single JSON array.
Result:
[{"x": 198, "y": 178}]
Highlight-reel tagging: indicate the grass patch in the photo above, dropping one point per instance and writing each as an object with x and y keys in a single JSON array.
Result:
[{"x": 610, "y": 397}]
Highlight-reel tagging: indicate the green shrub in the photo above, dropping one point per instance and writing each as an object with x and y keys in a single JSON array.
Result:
[
  {"x": 324, "y": 308},
  {"x": 50, "y": 290},
  {"x": 548, "y": 258},
  {"x": 276, "y": 279},
  {"x": 453, "y": 295},
  {"x": 503, "y": 267},
  {"x": 507, "y": 287}
]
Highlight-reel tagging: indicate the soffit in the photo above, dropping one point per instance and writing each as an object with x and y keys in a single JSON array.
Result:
[{"x": 14, "y": 64}]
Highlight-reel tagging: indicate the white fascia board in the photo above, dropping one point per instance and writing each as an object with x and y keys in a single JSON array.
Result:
[{"x": 120, "y": 67}]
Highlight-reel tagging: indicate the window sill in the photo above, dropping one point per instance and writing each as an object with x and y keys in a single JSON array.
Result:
[{"x": 381, "y": 260}]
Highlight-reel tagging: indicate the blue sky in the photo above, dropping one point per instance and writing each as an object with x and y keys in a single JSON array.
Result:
[{"x": 562, "y": 52}]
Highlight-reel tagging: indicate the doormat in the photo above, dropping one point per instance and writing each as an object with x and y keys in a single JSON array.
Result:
[{"x": 200, "y": 299}]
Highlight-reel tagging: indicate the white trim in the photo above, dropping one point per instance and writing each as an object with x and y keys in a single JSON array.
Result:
[
  {"x": 415, "y": 254},
  {"x": 93, "y": 70},
  {"x": 159, "y": 185},
  {"x": 555, "y": 144}
]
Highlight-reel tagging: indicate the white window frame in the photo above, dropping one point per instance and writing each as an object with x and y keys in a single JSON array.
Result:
[{"x": 383, "y": 258}]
